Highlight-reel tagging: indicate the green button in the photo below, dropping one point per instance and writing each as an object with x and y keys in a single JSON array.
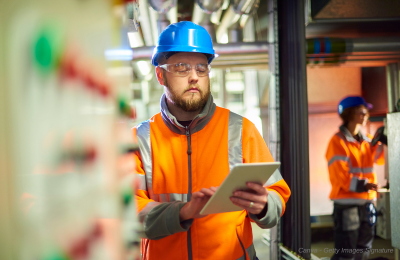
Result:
[
  {"x": 56, "y": 256},
  {"x": 48, "y": 47},
  {"x": 124, "y": 108}
]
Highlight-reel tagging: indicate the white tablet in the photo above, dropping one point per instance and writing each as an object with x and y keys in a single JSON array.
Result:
[{"x": 236, "y": 180}]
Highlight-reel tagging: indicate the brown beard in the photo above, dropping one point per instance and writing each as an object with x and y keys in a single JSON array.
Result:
[{"x": 189, "y": 105}]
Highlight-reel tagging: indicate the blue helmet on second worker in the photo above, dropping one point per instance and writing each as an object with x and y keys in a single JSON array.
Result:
[
  {"x": 352, "y": 101},
  {"x": 183, "y": 37}
]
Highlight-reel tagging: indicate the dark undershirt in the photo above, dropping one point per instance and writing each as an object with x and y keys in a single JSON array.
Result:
[{"x": 185, "y": 123}]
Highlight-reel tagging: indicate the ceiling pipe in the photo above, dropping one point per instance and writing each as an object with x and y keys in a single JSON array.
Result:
[
  {"x": 198, "y": 14},
  {"x": 210, "y": 6},
  {"x": 173, "y": 14},
  {"x": 235, "y": 33},
  {"x": 233, "y": 13},
  {"x": 159, "y": 15},
  {"x": 145, "y": 23},
  {"x": 162, "y": 22},
  {"x": 153, "y": 24},
  {"x": 229, "y": 18},
  {"x": 247, "y": 7},
  {"x": 144, "y": 53}
]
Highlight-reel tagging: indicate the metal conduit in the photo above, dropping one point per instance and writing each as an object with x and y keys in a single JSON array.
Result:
[
  {"x": 145, "y": 53},
  {"x": 356, "y": 45}
]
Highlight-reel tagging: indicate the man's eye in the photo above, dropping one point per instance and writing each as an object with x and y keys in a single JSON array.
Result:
[{"x": 202, "y": 67}]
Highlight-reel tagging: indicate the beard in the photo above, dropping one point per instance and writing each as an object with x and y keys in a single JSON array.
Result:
[{"x": 190, "y": 104}]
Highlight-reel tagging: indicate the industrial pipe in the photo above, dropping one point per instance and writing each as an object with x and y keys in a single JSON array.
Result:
[{"x": 143, "y": 53}]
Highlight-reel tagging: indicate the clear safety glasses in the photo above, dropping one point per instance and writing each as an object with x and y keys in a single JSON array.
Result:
[{"x": 183, "y": 69}]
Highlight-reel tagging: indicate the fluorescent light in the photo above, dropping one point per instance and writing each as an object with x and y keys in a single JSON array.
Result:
[
  {"x": 118, "y": 54},
  {"x": 143, "y": 67}
]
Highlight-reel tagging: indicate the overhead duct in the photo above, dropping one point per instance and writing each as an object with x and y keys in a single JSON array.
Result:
[
  {"x": 247, "y": 7},
  {"x": 145, "y": 23},
  {"x": 202, "y": 14},
  {"x": 210, "y": 6},
  {"x": 162, "y": 7},
  {"x": 162, "y": 22},
  {"x": 235, "y": 33},
  {"x": 232, "y": 15},
  {"x": 229, "y": 18},
  {"x": 242, "y": 54},
  {"x": 210, "y": 27},
  {"x": 198, "y": 14}
]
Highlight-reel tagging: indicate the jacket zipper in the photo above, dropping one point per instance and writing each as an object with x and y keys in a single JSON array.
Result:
[{"x": 189, "y": 152}]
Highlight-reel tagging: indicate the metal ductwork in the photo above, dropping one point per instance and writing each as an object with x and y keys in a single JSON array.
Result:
[
  {"x": 162, "y": 6},
  {"x": 233, "y": 13},
  {"x": 247, "y": 7},
  {"x": 235, "y": 33},
  {"x": 162, "y": 22},
  {"x": 233, "y": 55},
  {"x": 210, "y": 27},
  {"x": 229, "y": 18},
  {"x": 210, "y": 6}
]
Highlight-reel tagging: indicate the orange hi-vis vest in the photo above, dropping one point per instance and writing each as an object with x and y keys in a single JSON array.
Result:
[
  {"x": 175, "y": 161},
  {"x": 350, "y": 165}
]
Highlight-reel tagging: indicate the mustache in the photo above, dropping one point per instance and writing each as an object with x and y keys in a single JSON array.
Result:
[{"x": 193, "y": 86}]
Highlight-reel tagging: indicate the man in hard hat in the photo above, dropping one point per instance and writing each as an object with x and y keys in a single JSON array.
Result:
[
  {"x": 187, "y": 150},
  {"x": 351, "y": 156}
]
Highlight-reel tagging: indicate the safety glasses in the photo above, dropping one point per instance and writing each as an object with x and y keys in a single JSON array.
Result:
[{"x": 183, "y": 69}]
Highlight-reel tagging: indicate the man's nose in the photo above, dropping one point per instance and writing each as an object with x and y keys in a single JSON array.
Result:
[{"x": 193, "y": 77}]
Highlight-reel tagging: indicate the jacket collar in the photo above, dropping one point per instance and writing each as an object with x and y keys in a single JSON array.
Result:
[
  {"x": 349, "y": 137},
  {"x": 198, "y": 123}
]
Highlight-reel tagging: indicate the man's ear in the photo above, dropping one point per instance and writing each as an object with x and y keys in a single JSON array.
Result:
[{"x": 160, "y": 75}]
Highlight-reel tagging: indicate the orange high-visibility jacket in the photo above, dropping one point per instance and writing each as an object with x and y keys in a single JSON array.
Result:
[
  {"x": 350, "y": 165},
  {"x": 174, "y": 162}
]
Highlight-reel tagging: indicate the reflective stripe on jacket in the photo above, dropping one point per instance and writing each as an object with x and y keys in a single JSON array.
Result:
[
  {"x": 174, "y": 162},
  {"x": 350, "y": 165}
]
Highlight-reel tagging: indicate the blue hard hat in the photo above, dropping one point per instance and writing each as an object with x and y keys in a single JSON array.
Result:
[
  {"x": 184, "y": 37},
  {"x": 352, "y": 101}
]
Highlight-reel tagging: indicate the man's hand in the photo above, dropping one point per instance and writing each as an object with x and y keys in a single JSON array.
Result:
[
  {"x": 371, "y": 186},
  {"x": 257, "y": 198},
  {"x": 195, "y": 205}
]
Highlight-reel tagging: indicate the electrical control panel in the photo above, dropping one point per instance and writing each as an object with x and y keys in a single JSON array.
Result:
[{"x": 68, "y": 176}]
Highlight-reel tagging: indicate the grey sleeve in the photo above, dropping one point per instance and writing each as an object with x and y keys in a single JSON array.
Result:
[
  {"x": 357, "y": 185},
  {"x": 162, "y": 219},
  {"x": 273, "y": 213}
]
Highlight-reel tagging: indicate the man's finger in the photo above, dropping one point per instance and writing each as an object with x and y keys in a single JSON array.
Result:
[
  {"x": 207, "y": 192},
  {"x": 256, "y": 187},
  {"x": 214, "y": 188},
  {"x": 246, "y": 195},
  {"x": 245, "y": 204}
]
